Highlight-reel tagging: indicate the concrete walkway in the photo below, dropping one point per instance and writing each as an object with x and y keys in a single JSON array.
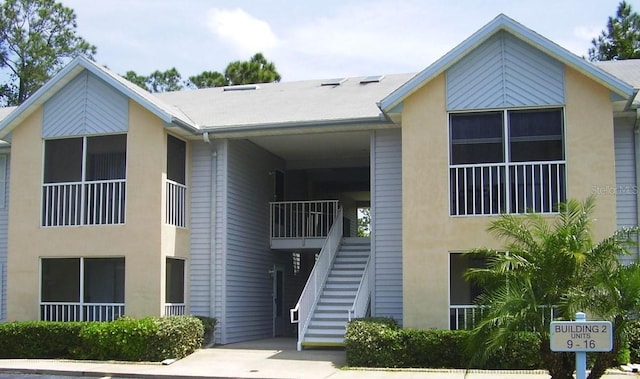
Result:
[{"x": 270, "y": 358}]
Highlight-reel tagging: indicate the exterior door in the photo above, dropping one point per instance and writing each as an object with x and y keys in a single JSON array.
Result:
[{"x": 280, "y": 320}]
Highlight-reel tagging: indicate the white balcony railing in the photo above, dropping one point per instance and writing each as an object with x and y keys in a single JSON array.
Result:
[
  {"x": 70, "y": 311},
  {"x": 303, "y": 310},
  {"x": 176, "y": 204},
  {"x": 491, "y": 189},
  {"x": 175, "y": 309},
  {"x": 302, "y": 219},
  {"x": 84, "y": 203},
  {"x": 466, "y": 316}
]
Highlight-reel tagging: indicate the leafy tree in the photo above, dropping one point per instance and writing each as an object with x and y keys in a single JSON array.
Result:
[
  {"x": 208, "y": 79},
  {"x": 158, "y": 81},
  {"x": 166, "y": 81},
  {"x": 255, "y": 70},
  {"x": 364, "y": 222},
  {"x": 621, "y": 40},
  {"x": 134, "y": 78},
  {"x": 37, "y": 37},
  {"x": 551, "y": 266}
]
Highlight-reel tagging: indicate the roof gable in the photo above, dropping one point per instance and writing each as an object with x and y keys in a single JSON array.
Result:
[
  {"x": 167, "y": 113},
  {"x": 503, "y": 23}
]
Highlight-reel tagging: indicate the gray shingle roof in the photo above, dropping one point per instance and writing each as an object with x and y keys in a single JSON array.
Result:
[
  {"x": 626, "y": 70},
  {"x": 301, "y": 102}
]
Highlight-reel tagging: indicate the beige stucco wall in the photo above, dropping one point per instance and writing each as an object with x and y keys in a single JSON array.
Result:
[
  {"x": 140, "y": 240},
  {"x": 430, "y": 233}
]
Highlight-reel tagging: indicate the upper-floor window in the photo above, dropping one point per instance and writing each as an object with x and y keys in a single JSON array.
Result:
[
  {"x": 84, "y": 181},
  {"x": 506, "y": 161},
  {"x": 176, "y": 186}
]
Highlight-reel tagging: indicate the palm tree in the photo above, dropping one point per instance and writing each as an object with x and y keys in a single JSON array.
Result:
[{"x": 540, "y": 275}]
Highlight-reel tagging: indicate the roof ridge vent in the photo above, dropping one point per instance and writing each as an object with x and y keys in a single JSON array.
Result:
[
  {"x": 241, "y": 87},
  {"x": 333, "y": 82},
  {"x": 372, "y": 79}
]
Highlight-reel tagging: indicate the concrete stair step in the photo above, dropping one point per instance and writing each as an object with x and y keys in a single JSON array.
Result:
[
  {"x": 333, "y": 308},
  {"x": 314, "y": 341},
  {"x": 325, "y": 332},
  {"x": 339, "y": 293},
  {"x": 330, "y": 317},
  {"x": 331, "y": 323}
]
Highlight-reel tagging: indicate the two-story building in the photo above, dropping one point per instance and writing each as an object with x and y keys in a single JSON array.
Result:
[{"x": 241, "y": 202}]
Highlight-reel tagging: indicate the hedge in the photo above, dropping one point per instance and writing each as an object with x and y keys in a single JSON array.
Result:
[
  {"x": 378, "y": 343},
  {"x": 126, "y": 339}
]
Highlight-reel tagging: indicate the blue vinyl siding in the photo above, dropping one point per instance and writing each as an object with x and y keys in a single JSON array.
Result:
[
  {"x": 248, "y": 304},
  {"x": 626, "y": 187},
  {"x": 504, "y": 72},
  {"x": 386, "y": 206},
  {"x": 206, "y": 277},
  {"x": 85, "y": 106}
]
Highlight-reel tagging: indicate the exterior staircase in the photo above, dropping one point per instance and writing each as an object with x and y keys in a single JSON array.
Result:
[{"x": 330, "y": 317}]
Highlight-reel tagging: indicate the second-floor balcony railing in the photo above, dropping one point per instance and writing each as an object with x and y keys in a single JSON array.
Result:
[
  {"x": 84, "y": 203},
  {"x": 302, "y": 219},
  {"x": 176, "y": 204},
  {"x": 494, "y": 188}
]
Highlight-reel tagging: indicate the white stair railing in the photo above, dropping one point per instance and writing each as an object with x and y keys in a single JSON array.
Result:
[
  {"x": 363, "y": 295},
  {"x": 313, "y": 289}
]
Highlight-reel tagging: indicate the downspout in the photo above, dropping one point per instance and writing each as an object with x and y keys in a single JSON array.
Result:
[
  {"x": 636, "y": 156},
  {"x": 212, "y": 233}
]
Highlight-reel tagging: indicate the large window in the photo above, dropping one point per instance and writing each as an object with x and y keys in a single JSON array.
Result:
[
  {"x": 82, "y": 289},
  {"x": 84, "y": 181},
  {"x": 506, "y": 161}
]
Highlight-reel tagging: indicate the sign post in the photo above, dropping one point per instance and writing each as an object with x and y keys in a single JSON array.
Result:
[{"x": 581, "y": 336}]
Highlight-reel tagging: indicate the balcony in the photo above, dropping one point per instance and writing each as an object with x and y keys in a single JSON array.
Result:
[
  {"x": 467, "y": 316},
  {"x": 301, "y": 224},
  {"x": 492, "y": 189},
  {"x": 176, "y": 204},
  {"x": 100, "y": 202}
]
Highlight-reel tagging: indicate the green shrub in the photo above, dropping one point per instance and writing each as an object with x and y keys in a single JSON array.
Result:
[
  {"x": 37, "y": 339},
  {"x": 124, "y": 339},
  {"x": 175, "y": 337},
  {"x": 380, "y": 343},
  {"x": 434, "y": 348},
  {"x": 373, "y": 343},
  {"x": 146, "y": 339},
  {"x": 209, "y": 324},
  {"x": 522, "y": 352}
]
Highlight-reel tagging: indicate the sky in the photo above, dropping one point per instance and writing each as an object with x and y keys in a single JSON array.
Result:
[{"x": 309, "y": 39}]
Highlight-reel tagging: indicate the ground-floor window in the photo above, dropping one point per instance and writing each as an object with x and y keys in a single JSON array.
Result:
[
  {"x": 462, "y": 294},
  {"x": 175, "y": 287},
  {"x": 81, "y": 289}
]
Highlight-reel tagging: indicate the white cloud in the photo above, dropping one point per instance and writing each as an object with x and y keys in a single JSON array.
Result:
[
  {"x": 241, "y": 31},
  {"x": 380, "y": 38}
]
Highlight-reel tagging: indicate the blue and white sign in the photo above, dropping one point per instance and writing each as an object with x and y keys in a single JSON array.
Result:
[{"x": 589, "y": 336}]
